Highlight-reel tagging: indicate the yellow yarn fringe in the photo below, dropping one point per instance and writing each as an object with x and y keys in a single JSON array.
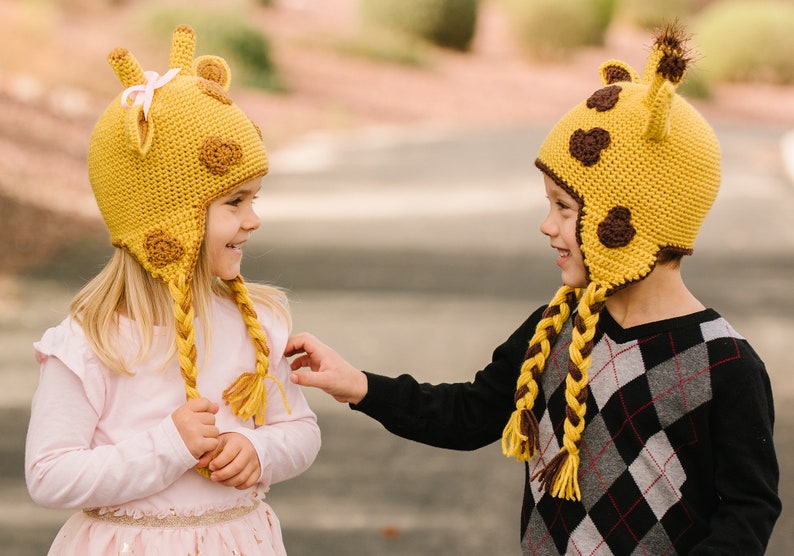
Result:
[
  {"x": 515, "y": 443},
  {"x": 247, "y": 396},
  {"x": 560, "y": 477}
]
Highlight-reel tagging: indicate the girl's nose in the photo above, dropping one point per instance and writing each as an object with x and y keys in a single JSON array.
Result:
[{"x": 252, "y": 221}]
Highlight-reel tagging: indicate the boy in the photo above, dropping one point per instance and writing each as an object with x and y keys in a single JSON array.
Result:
[{"x": 644, "y": 418}]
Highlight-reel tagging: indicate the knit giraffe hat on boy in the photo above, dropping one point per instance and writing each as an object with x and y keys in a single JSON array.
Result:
[
  {"x": 645, "y": 168},
  {"x": 166, "y": 148}
]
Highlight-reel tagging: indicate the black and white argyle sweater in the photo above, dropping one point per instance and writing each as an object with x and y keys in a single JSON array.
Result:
[{"x": 676, "y": 455}]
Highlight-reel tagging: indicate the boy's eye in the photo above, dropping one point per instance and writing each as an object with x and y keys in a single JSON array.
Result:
[{"x": 234, "y": 202}]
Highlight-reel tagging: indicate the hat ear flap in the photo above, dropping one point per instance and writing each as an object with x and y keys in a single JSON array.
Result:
[{"x": 138, "y": 130}]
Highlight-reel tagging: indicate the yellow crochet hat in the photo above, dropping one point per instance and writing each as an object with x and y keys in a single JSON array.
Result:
[
  {"x": 644, "y": 166},
  {"x": 164, "y": 149}
]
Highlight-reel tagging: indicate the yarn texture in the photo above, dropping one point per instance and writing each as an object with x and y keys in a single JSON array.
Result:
[
  {"x": 644, "y": 166},
  {"x": 161, "y": 152}
]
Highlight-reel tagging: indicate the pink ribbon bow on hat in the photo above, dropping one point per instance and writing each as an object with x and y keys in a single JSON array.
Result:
[{"x": 143, "y": 94}]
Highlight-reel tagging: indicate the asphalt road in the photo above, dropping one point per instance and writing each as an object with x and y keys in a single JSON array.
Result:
[{"x": 419, "y": 251}]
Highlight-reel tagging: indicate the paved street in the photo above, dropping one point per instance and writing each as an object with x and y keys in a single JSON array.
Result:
[{"x": 419, "y": 251}]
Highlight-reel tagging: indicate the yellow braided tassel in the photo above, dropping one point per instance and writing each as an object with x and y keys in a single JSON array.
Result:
[
  {"x": 247, "y": 396},
  {"x": 185, "y": 335},
  {"x": 186, "y": 342},
  {"x": 520, "y": 435},
  {"x": 560, "y": 477}
]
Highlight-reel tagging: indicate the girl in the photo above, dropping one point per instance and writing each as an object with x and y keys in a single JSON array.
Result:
[{"x": 175, "y": 167}]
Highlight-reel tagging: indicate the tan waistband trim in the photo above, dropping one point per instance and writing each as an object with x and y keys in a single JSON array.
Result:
[{"x": 203, "y": 520}]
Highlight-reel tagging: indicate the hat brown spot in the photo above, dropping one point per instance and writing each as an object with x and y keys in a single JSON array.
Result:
[
  {"x": 220, "y": 155},
  {"x": 162, "y": 248},
  {"x": 211, "y": 88},
  {"x": 615, "y": 74},
  {"x": 604, "y": 99},
  {"x": 616, "y": 229},
  {"x": 586, "y": 146}
]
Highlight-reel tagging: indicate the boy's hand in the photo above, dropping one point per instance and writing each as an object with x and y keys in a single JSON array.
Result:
[
  {"x": 195, "y": 421},
  {"x": 236, "y": 463},
  {"x": 329, "y": 372}
]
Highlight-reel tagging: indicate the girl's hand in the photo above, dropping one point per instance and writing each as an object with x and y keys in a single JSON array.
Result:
[
  {"x": 236, "y": 463},
  {"x": 195, "y": 421},
  {"x": 329, "y": 372}
]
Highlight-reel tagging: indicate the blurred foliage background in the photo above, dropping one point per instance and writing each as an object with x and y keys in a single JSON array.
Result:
[{"x": 302, "y": 66}]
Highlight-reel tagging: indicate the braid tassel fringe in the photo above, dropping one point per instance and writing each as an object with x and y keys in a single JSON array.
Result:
[
  {"x": 560, "y": 477},
  {"x": 186, "y": 343},
  {"x": 247, "y": 396},
  {"x": 520, "y": 436}
]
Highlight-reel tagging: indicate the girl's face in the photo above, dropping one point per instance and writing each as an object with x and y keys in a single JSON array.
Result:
[
  {"x": 230, "y": 221},
  {"x": 560, "y": 227}
]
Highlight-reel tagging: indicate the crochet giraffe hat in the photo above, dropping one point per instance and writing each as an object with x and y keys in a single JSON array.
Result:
[
  {"x": 164, "y": 149},
  {"x": 645, "y": 168}
]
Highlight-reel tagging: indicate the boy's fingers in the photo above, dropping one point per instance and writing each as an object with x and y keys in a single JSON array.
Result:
[
  {"x": 309, "y": 378},
  {"x": 300, "y": 362}
]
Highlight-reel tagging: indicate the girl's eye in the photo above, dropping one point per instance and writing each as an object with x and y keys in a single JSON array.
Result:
[
  {"x": 234, "y": 202},
  {"x": 562, "y": 205}
]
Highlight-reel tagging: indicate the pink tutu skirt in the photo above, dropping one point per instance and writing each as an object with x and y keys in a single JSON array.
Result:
[{"x": 241, "y": 531}]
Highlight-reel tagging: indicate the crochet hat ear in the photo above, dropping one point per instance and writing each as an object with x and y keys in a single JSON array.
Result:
[
  {"x": 215, "y": 69},
  {"x": 138, "y": 130},
  {"x": 615, "y": 71}
]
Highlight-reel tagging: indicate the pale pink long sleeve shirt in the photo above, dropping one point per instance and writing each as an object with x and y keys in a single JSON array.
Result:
[{"x": 104, "y": 440}]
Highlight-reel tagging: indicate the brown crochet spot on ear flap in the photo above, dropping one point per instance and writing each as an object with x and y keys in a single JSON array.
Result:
[
  {"x": 220, "y": 155},
  {"x": 616, "y": 74},
  {"x": 212, "y": 89},
  {"x": 586, "y": 146},
  {"x": 616, "y": 229},
  {"x": 604, "y": 99},
  {"x": 162, "y": 248}
]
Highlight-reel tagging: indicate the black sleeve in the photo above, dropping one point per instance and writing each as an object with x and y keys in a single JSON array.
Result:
[
  {"x": 459, "y": 416},
  {"x": 745, "y": 465}
]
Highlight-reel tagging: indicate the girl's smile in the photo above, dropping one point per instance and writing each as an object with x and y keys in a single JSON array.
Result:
[{"x": 230, "y": 221}]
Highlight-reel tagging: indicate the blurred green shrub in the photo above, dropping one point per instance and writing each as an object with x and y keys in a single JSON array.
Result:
[
  {"x": 695, "y": 84},
  {"x": 446, "y": 23},
  {"x": 748, "y": 40},
  {"x": 651, "y": 14},
  {"x": 226, "y": 34},
  {"x": 384, "y": 45},
  {"x": 554, "y": 29}
]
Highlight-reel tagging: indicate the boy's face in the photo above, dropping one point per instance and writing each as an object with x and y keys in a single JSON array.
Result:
[
  {"x": 560, "y": 227},
  {"x": 230, "y": 221}
]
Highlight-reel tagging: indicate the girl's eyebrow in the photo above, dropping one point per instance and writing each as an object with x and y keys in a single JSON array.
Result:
[{"x": 244, "y": 190}]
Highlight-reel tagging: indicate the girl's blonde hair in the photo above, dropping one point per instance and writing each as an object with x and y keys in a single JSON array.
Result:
[{"x": 124, "y": 287}]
